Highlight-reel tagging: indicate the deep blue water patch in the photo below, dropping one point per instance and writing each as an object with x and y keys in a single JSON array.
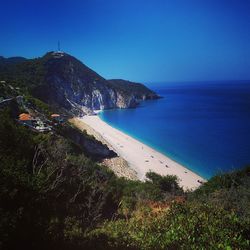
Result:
[{"x": 204, "y": 126}]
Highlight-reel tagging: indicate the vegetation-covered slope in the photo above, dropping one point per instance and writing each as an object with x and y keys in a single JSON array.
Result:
[
  {"x": 52, "y": 196},
  {"x": 47, "y": 188},
  {"x": 61, "y": 80},
  {"x": 215, "y": 216},
  {"x": 55, "y": 195}
]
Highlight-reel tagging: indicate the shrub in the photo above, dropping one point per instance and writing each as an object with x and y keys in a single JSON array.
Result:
[
  {"x": 188, "y": 226},
  {"x": 168, "y": 183}
]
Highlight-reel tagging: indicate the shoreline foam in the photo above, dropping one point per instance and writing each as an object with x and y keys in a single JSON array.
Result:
[{"x": 141, "y": 157}]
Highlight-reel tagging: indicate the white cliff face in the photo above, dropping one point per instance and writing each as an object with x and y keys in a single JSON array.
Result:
[
  {"x": 120, "y": 102},
  {"x": 123, "y": 101},
  {"x": 97, "y": 100},
  {"x": 70, "y": 81}
]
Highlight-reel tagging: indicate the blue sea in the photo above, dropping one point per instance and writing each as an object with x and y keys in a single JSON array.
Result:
[{"x": 204, "y": 126}]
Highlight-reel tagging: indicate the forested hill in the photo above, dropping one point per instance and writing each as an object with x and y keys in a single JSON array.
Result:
[{"x": 61, "y": 80}]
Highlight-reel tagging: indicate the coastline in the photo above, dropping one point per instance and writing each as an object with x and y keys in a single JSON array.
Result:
[
  {"x": 117, "y": 164},
  {"x": 140, "y": 157}
]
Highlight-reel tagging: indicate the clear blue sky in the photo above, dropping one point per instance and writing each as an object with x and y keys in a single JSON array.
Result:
[{"x": 139, "y": 40}]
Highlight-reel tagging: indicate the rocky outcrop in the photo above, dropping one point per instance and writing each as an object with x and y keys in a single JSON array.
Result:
[
  {"x": 69, "y": 81},
  {"x": 92, "y": 148},
  {"x": 63, "y": 81}
]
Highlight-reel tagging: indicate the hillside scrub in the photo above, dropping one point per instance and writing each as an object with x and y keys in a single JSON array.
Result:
[
  {"x": 52, "y": 196},
  {"x": 181, "y": 226}
]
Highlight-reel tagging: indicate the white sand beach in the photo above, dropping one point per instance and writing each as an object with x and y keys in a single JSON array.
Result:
[{"x": 139, "y": 156}]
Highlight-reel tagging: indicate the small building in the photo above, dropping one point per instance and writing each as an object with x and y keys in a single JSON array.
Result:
[
  {"x": 55, "y": 116},
  {"x": 57, "y": 119},
  {"x": 26, "y": 119}
]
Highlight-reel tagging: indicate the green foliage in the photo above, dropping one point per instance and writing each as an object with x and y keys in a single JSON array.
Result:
[
  {"x": 54, "y": 197},
  {"x": 25, "y": 74},
  {"x": 81, "y": 132},
  {"x": 14, "y": 137},
  {"x": 224, "y": 181},
  {"x": 229, "y": 191},
  {"x": 5, "y": 91},
  {"x": 167, "y": 183},
  {"x": 216, "y": 216},
  {"x": 49, "y": 193},
  {"x": 188, "y": 226},
  {"x": 41, "y": 106}
]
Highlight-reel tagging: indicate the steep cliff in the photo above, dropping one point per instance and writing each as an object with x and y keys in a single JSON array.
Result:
[
  {"x": 92, "y": 148},
  {"x": 61, "y": 80}
]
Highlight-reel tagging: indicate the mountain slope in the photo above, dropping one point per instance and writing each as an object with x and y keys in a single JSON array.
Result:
[
  {"x": 11, "y": 60},
  {"x": 61, "y": 80}
]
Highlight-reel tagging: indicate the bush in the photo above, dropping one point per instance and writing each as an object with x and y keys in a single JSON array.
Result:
[
  {"x": 229, "y": 191},
  {"x": 168, "y": 183},
  {"x": 188, "y": 226},
  {"x": 224, "y": 181}
]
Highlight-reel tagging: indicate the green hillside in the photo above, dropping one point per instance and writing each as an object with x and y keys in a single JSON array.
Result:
[
  {"x": 55, "y": 193},
  {"x": 53, "y": 196}
]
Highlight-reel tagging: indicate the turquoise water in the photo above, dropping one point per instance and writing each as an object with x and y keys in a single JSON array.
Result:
[{"x": 205, "y": 126}]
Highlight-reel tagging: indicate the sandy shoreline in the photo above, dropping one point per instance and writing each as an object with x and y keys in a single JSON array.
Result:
[
  {"x": 117, "y": 164},
  {"x": 139, "y": 156}
]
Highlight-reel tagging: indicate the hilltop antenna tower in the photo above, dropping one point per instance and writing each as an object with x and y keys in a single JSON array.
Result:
[{"x": 58, "y": 53}]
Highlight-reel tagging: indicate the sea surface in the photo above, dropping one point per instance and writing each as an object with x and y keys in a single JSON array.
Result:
[{"x": 204, "y": 126}]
